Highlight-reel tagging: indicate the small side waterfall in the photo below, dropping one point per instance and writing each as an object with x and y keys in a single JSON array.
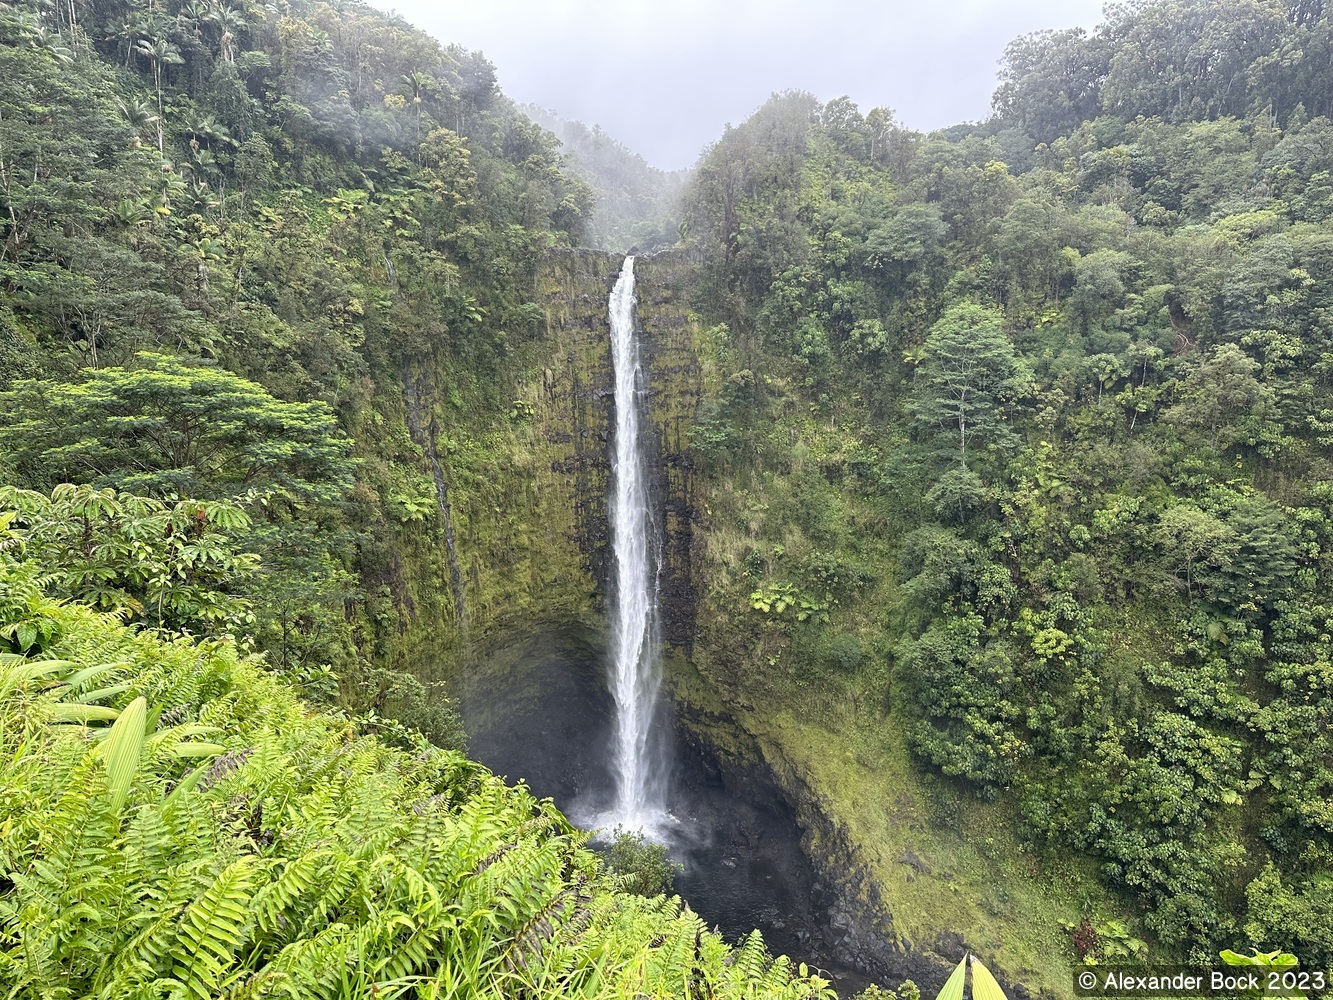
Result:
[{"x": 634, "y": 669}]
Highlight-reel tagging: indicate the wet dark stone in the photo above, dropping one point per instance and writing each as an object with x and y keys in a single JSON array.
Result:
[{"x": 536, "y": 709}]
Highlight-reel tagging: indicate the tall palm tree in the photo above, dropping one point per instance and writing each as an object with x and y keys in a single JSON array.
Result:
[
  {"x": 137, "y": 25},
  {"x": 231, "y": 21},
  {"x": 160, "y": 52},
  {"x": 415, "y": 86},
  {"x": 139, "y": 115}
]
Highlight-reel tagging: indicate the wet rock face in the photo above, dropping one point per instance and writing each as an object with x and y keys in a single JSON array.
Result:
[
  {"x": 667, "y": 334},
  {"x": 578, "y": 398}
]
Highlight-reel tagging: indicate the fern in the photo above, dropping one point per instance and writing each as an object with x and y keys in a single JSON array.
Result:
[
  {"x": 371, "y": 872},
  {"x": 212, "y": 929}
]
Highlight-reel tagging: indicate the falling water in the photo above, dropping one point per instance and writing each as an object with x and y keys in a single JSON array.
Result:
[{"x": 634, "y": 666}]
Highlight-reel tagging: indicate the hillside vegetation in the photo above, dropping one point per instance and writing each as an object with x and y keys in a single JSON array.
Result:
[
  {"x": 174, "y": 822},
  {"x": 1019, "y": 444},
  {"x": 1014, "y": 491},
  {"x": 289, "y": 255},
  {"x": 638, "y": 205}
]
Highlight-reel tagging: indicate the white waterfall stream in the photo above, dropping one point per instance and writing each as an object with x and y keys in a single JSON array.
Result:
[{"x": 634, "y": 667}]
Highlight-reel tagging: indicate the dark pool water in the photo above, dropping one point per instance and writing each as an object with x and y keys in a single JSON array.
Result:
[{"x": 537, "y": 710}]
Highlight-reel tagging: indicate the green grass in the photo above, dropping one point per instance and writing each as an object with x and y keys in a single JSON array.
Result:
[{"x": 1009, "y": 904}]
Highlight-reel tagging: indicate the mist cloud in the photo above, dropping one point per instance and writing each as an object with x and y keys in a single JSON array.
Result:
[{"x": 665, "y": 77}]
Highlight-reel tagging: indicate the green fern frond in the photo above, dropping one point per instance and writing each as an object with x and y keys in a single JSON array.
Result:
[{"x": 213, "y": 929}]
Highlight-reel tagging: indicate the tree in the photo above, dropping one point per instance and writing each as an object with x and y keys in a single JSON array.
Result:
[
  {"x": 1264, "y": 556},
  {"x": 904, "y": 241},
  {"x": 965, "y": 712},
  {"x": 175, "y": 565},
  {"x": 63, "y": 141},
  {"x": 1222, "y": 396},
  {"x": 230, "y": 22},
  {"x": 1050, "y": 81},
  {"x": 414, "y": 87},
  {"x": 968, "y": 371},
  {"x": 103, "y": 299},
  {"x": 160, "y": 52},
  {"x": 1190, "y": 536},
  {"x": 170, "y": 428}
]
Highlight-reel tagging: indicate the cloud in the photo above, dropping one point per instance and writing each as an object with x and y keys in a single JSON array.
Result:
[{"x": 665, "y": 77}]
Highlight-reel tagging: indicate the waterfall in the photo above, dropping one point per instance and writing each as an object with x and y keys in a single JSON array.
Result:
[{"x": 634, "y": 667}]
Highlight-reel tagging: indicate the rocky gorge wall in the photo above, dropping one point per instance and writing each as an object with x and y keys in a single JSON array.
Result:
[
  {"x": 572, "y": 416},
  {"x": 527, "y": 504},
  {"x": 859, "y": 929},
  {"x": 521, "y": 533}
]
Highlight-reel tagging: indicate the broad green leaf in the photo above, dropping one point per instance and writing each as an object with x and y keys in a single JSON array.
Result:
[
  {"x": 40, "y": 668},
  {"x": 953, "y": 989},
  {"x": 186, "y": 784},
  {"x": 195, "y": 729},
  {"x": 84, "y": 714},
  {"x": 984, "y": 986},
  {"x": 81, "y": 677},
  {"x": 197, "y": 749},
  {"x": 121, "y": 751},
  {"x": 1268, "y": 960}
]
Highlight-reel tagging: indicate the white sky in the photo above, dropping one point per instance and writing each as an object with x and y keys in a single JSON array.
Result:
[{"x": 665, "y": 76}]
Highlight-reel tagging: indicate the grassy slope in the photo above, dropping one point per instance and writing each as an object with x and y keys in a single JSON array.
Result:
[{"x": 1008, "y": 903}]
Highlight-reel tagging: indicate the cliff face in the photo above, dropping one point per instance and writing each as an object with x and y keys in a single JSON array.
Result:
[
  {"x": 667, "y": 338},
  {"x": 532, "y": 536},
  {"x": 524, "y": 502},
  {"x": 574, "y": 411},
  {"x": 576, "y": 415}
]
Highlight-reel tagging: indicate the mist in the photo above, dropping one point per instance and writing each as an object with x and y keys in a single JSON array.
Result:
[{"x": 665, "y": 79}]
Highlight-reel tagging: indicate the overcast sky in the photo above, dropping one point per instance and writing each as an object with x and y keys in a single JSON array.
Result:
[{"x": 665, "y": 76}]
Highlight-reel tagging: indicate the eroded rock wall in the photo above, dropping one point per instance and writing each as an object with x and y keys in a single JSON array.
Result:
[
  {"x": 667, "y": 343},
  {"x": 522, "y": 492}
]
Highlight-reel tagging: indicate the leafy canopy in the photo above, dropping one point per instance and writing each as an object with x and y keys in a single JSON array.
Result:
[
  {"x": 167, "y": 427},
  {"x": 172, "y": 564}
]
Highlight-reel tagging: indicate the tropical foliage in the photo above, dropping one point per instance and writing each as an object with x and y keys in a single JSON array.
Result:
[
  {"x": 1042, "y": 405},
  {"x": 172, "y": 564},
  {"x": 165, "y": 427},
  {"x": 253, "y": 256},
  {"x": 174, "y": 822},
  {"x": 1017, "y": 434}
]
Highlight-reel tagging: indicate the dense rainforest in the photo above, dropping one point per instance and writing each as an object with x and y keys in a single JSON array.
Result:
[
  {"x": 1022, "y": 430},
  {"x": 1013, "y": 530},
  {"x": 637, "y": 205}
]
